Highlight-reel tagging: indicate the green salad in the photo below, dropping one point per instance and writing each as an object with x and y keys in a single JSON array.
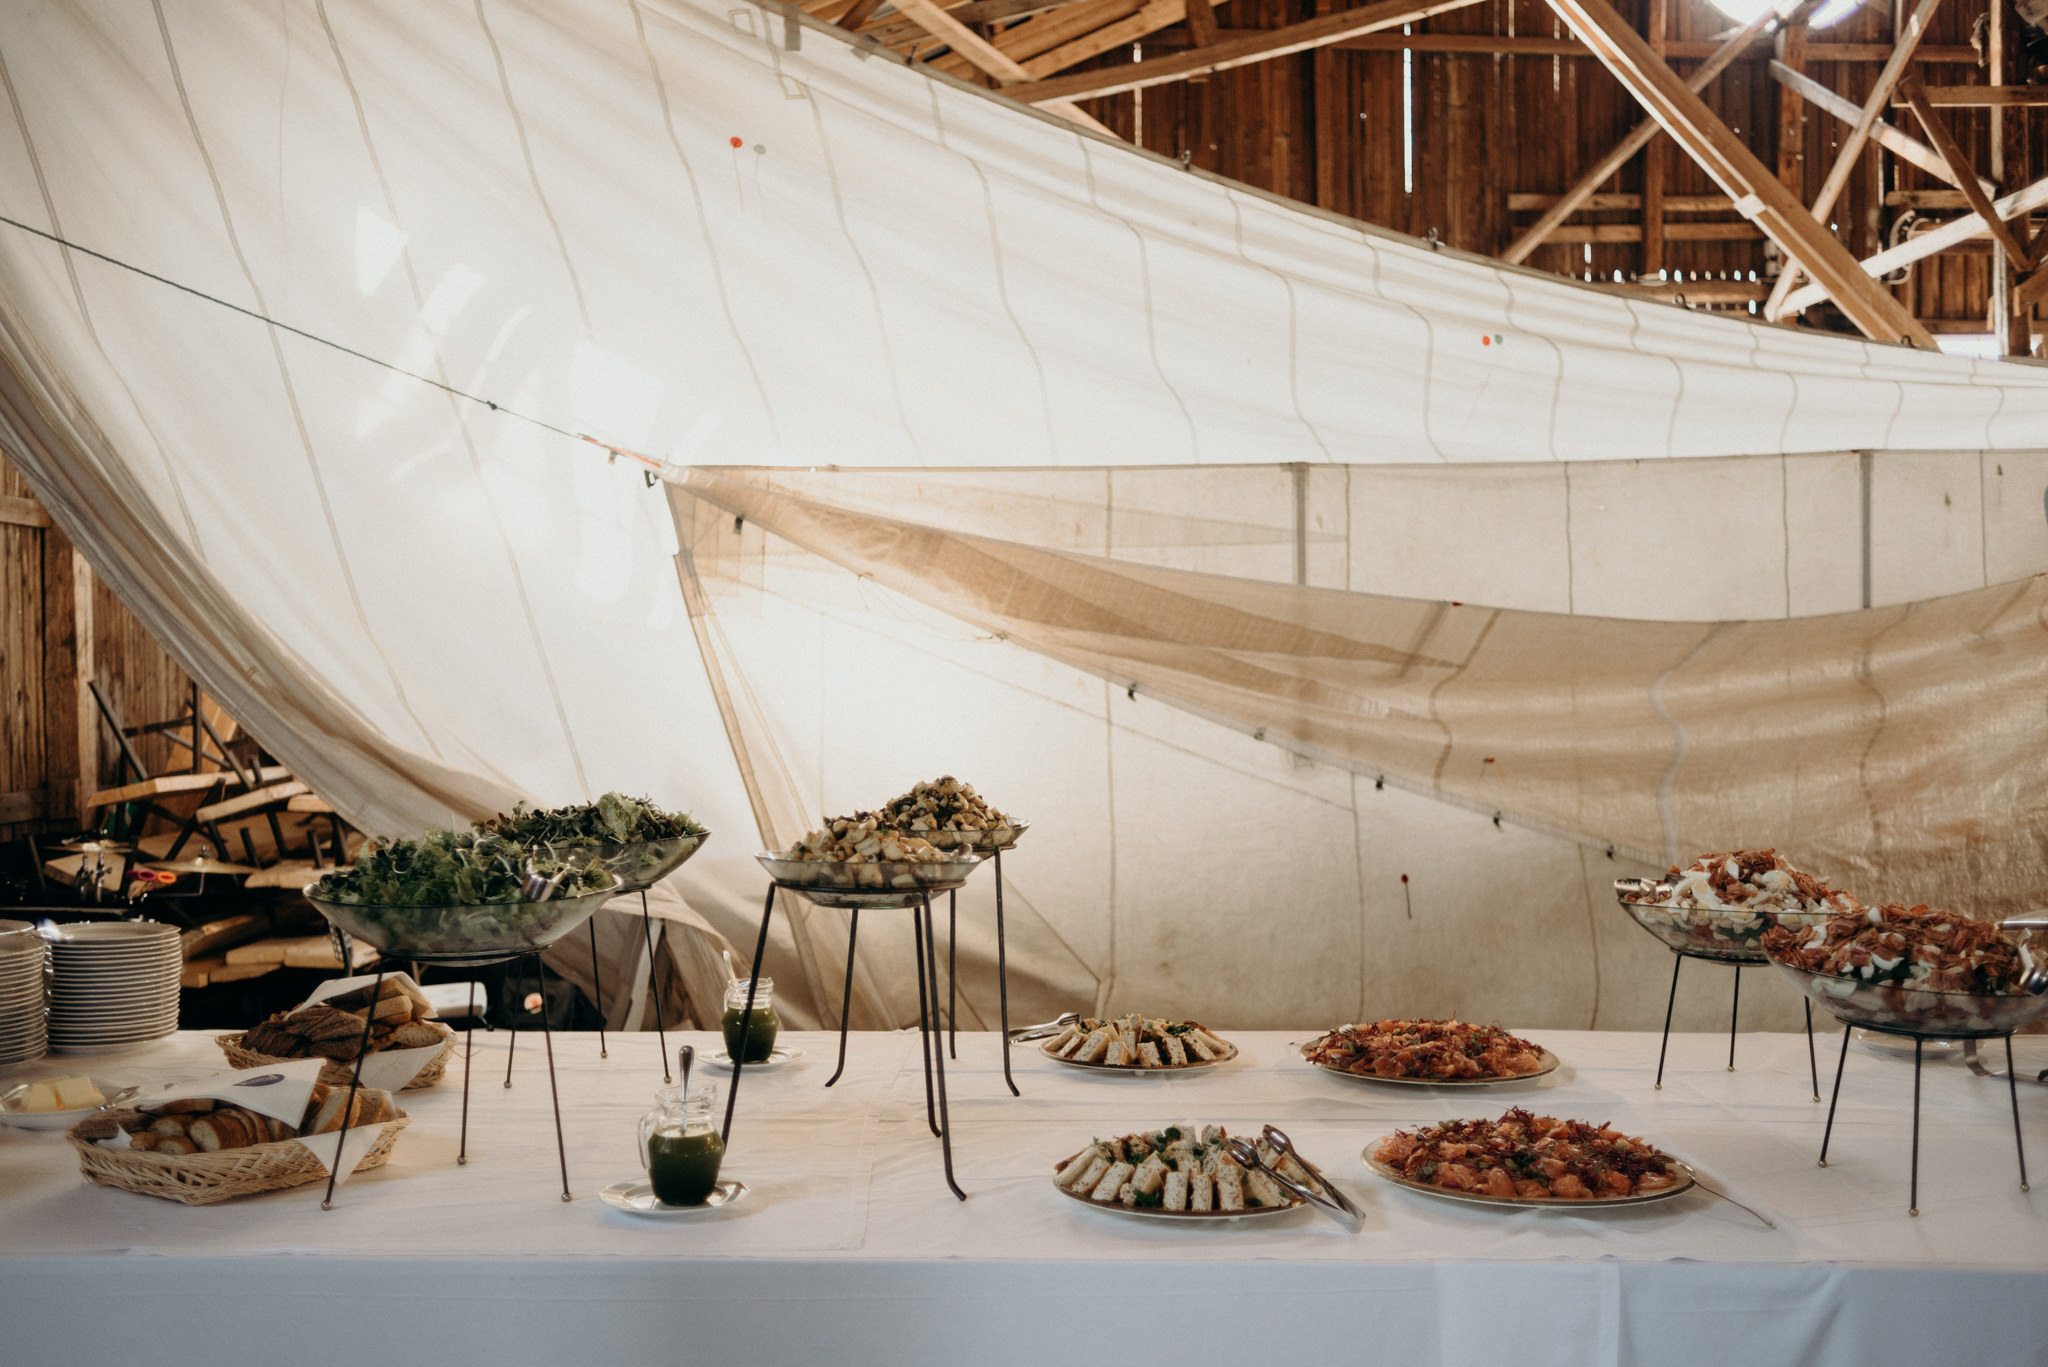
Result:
[
  {"x": 613, "y": 819},
  {"x": 449, "y": 868}
]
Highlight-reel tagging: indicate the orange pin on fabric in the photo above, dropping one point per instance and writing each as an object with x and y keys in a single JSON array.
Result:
[{"x": 738, "y": 142}]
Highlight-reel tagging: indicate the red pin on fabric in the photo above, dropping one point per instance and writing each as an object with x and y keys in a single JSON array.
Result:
[{"x": 738, "y": 142}]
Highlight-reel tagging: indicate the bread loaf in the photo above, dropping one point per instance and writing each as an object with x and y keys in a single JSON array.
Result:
[
  {"x": 173, "y": 1143},
  {"x": 226, "y": 1129}
]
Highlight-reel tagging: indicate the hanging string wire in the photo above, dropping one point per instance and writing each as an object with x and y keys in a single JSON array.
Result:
[{"x": 650, "y": 462}]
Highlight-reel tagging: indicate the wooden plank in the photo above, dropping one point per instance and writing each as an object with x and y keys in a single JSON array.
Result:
[
  {"x": 1726, "y": 293},
  {"x": 1201, "y": 23},
  {"x": 1947, "y": 237},
  {"x": 1791, "y": 112},
  {"x": 317, "y": 951},
  {"x": 1725, "y": 157},
  {"x": 1048, "y": 31},
  {"x": 1323, "y": 89},
  {"x": 1846, "y": 156},
  {"x": 1638, "y": 138},
  {"x": 1150, "y": 17},
  {"x": 1656, "y": 170},
  {"x": 859, "y": 14},
  {"x": 1488, "y": 44},
  {"x": 23, "y": 805},
  {"x": 247, "y": 802},
  {"x": 1896, "y": 141},
  {"x": 224, "y": 934},
  {"x": 1984, "y": 96},
  {"x": 989, "y": 58},
  {"x": 1522, "y": 202},
  {"x": 155, "y": 787},
  {"x": 1962, "y": 173},
  {"x": 1677, "y": 232},
  {"x": 22, "y": 512},
  {"x": 1236, "y": 52},
  {"x": 308, "y": 802}
]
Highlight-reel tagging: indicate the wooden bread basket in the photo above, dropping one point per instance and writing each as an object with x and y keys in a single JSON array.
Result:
[
  {"x": 339, "y": 1072},
  {"x": 201, "y": 1179}
]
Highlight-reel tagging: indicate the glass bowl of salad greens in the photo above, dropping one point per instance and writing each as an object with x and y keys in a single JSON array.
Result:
[
  {"x": 458, "y": 897},
  {"x": 631, "y": 838}
]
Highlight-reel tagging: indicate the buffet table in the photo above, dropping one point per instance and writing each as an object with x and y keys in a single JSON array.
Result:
[{"x": 850, "y": 1249}]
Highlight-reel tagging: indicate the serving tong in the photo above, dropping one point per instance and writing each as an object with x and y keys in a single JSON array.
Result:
[
  {"x": 2036, "y": 980},
  {"x": 1047, "y": 1030},
  {"x": 1328, "y": 1199},
  {"x": 540, "y": 887}
]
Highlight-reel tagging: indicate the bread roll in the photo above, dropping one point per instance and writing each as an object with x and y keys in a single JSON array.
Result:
[
  {"x": 145, "y": 1141},
  {"x": 187, "y": 1106},
  {"x": 223, "y": 1130},
  {"x": 172, "y": 1143},
  {"x": 417, "y": 1034},
  {"x": 172, "y": 1126}
]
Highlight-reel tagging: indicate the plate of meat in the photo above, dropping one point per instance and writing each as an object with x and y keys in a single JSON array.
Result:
[
  {"x": 1529, "y": 1160},
  {"x": 1428, "y": 1053}
]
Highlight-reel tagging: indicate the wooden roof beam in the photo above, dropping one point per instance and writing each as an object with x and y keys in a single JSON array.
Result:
[
  {"x": 1320, "y": 31},
  {"x": 1851, "y": 149},
  {"x": 1736, "y": 169},
  {"x": 987, "y": 57},
  {"x": 1947, "y": 237},
  {"x": 1899, "y": 143},
  {"x": 1582, "y": 189},
  {"x": 1963, "y": 175}
]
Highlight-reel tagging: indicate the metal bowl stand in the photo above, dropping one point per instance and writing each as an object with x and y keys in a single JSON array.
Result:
[
  {"x": 931, "y": 1048},
  {"x": 468, "y": 1050},
  {"x": 1678, "y": 958},
  {"x": 1919, "y": 1046}
]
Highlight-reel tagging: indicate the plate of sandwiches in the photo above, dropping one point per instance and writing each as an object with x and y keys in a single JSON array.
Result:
[
  {"x": 1138, "y": 1044},
  {"x": 1428, "y": 1053},
  {"x": 1183, "y": 1172}
]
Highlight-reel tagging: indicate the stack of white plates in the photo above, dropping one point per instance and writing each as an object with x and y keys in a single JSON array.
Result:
[
  {"x": 113, "y": 984},
  {"x": 22, "y": 956}
]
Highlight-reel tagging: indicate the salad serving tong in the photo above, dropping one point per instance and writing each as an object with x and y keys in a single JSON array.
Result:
[
  {"x": 1328, "y": 1199},
  {"x": 1047, "y": 1030}
]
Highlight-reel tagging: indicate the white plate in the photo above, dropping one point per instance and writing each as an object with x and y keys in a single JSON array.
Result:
[
  {"x": 776, "y": 1058},
  {"x": 113, "y": 933},
  {"x": 106, "y": 1046},
  {"x": 48, "y": 1120},
  {"x": 636, "y": 1197}
]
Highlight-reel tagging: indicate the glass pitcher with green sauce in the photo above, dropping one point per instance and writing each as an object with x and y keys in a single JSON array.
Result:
[
  {"x": 759, "y": 1041},
  {"x": 680, "y": 1146}
]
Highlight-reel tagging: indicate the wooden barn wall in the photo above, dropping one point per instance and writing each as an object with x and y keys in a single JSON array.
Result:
[
  {"x": 45, "y": 717},
  {"x": 1325, "y": 127}
]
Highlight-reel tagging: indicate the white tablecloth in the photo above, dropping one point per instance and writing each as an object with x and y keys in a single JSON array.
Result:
[{"x": 851, "y": 1249}]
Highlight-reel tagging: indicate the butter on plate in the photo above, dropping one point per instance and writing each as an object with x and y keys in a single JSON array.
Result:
[{"x": 60, "y": 1094}]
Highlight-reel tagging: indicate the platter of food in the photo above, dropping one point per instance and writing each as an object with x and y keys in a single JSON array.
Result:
[
  {"x": 1720, "y": 906},
  {"x": 950, "y": 815},
  {"x": 1138, "y": 1044},
  {"x": 458, "y": 897},
  {"x": 1425, "y": 1053},
  {"x": 1529, "y": 1161},
  {"x": 1912, "y": 971},
  {"x": 857, "y": 861},
  {"x": 1183, "y": 1172},
  {"x": 57, "y": 1103}
]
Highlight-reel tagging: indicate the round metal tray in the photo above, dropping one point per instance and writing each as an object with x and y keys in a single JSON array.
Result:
[
  {"x": 1685, "y": 1182},
  {"x": 1550, "y": 1064},
  {"x": 1186, "y": 1216},
  {"x": 1164, "y": 1070}
]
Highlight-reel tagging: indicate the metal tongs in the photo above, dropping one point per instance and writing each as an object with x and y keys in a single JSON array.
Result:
[
  {"x": 540, "y": 887},
  {"x": 1328, "y": 1199},
  {"x": 2035, "y": 982},
  {"x": 1047, "y": 1030}
]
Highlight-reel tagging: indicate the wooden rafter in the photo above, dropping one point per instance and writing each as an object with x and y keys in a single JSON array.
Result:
[
  {"x": 1898, "y": 142},
  {"x": 1201, "y": 23},
  {"x": 1725, "y": 157},
  {"x": 987, "y": 57},
  {"x": 1851, "y": 149},
  {"x": 1947, "y": 237},
  {"x": 1964, "y": 175},
  {"x": 1981, "y": 96},
  {"x": 1639, "y": 137},
  {"x": 1235, "y": 52}
]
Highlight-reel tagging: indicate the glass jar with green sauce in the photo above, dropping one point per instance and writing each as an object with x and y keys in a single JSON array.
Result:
[
  {"x": 761, "y": 1027},
  {"x": 680, "y": 1146}
]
